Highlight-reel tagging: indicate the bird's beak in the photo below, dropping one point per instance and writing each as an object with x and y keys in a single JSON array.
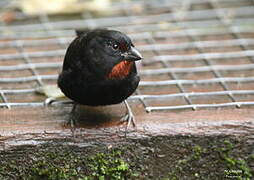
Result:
[{"x": 132, "y": 55}]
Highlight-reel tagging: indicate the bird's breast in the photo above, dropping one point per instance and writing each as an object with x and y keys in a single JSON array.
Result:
[{"x": 120, "y": 70}]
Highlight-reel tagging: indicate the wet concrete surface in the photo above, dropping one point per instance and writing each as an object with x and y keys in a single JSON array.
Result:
[{"x": 21, "y": 126}]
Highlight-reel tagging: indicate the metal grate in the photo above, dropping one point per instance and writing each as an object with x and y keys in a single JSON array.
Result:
[{"x": 198, "y": 53}]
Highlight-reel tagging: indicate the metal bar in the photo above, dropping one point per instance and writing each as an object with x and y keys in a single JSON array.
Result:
[
  {"x": 169, "y": 47},
  {"x": 215, "y": 72},
  {"x": 67, "y": 37},
  {"x": 27, "y": 79},
  {"x": 127, "y": 20},
  {"x": 198, "y": 69},
  {"x": 32, "y": 65},
  {"x": 137, "y": 97},
  {"x": 23, "y": 104},
  {"x": 203, "y": 31},
  {"x": 2, "y": 95},
  {"x": 4, "y": 98},
  {"x": 208, "y": 62},
  {"x": 212, "y": 29},
  {"x": 171, "y": 74},
  {"x": 151, "y": 83},
  {"x": 149, "y": 109},
  {"x": 154, "y": 59},
  {"x": 138, "y": 92},
  {"x": 200, "y": 56},
  {"x": 195, "y": 106},
  {"x": 17, "y": 91},
  {"x": 49, "y": 28},
  {"x": 193, "y": 94},
  {"x": 149, "y": 72},
  {"x": 34, "y": 43},
  {"x": 200, "y": 44},
  {"x": 234, "y": 30},
  {"x": 28, "y": 62},
  {"x": 202, "y": 81},
  {"x": 38, "y": 54},
  {"x": 149, "y": 47}
]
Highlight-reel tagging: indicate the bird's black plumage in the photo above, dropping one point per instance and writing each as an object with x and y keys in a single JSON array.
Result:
[{"x": 99, "y": 68}]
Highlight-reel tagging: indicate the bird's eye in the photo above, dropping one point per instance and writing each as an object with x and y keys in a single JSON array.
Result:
[{"x": 115, "y": 46}]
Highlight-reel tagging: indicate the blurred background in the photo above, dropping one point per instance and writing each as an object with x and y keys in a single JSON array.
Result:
[{"x": 197, "y": 75}]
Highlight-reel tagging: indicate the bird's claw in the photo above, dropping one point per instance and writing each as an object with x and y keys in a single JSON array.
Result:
[
  {"x": 72, "y": 124},
  {"x": 72, "y": 120},
  {"x": 129, "y": 117}
]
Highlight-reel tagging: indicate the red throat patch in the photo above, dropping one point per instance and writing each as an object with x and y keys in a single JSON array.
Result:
[{"x": 120, "y": 70}]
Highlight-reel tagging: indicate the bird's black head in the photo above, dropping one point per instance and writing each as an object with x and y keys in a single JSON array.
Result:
[{"x": 103, "y": 49}]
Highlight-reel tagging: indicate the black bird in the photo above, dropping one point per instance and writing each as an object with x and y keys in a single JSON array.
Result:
[{"x": 99, "y": 69}]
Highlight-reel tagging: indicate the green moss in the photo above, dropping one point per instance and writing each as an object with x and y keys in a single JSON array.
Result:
[
  {"x": 55, "y": 165},
  {"x": 197, "y": 152},
  {"x": 109, "y": 166},
  {"x": 236, "y": 167},
  {"x": 168, "y": 157}
]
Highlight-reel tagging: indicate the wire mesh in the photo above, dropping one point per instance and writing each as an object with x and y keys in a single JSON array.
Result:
[{"x": 198, "y": 53}]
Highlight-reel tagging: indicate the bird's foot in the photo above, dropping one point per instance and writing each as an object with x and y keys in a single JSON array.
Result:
[
  {"x": 72, "y": 124},
  {"x": 129, "y": 117},
  {"x": 72, "y": 120}
]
